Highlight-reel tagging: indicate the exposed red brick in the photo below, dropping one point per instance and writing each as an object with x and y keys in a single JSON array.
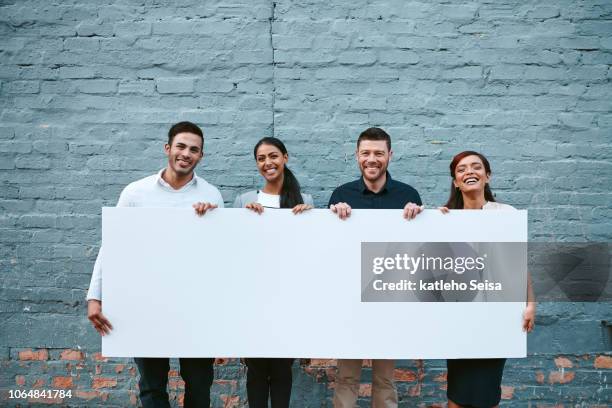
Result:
[
  {"x": 119, "y": 368},
  {"x": 230, "y": 401},
  {"x": 563, "y": 362},
  {"x": 180, "y": 399},
  {"x": 42, "y": 354},
  {"x": 603, "y": 362},
  {"x": 173, "y": 373},
  {"x": 560, "y": 377},
  {"x": 323, "y": 362},
  {"x": 62, "y": 382},
  {"x": 132, "y": 371},
  {"x": 441, "y": 377},
  {"x": 20, "y": 380},
  {"x": 365, "y": 390},
  {"x": 366, "y": 363},
  {"x": 133, "y": 398},
  {"x": 400, "y": 374},
  {"x": 507, "y": 392},
  {"x": 70, "y": 354},
  {"x": 39, "y": 383},
  {"x": 103, "y": 382},
  {"x": 176, "y": 384},
  {"x": 232, "y": 384},
  {"x": 98, "y": 369},
  {"x": 539, "y": 377},
  {"x": 221, "y": 361},
  {"x": 99, "y": 357},
  {"x": 87, "y": 395}
]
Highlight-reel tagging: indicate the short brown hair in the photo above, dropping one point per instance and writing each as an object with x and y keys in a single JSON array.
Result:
[
  {"x": 184, "y": 127},
  {"x": 374, "y": 133}
]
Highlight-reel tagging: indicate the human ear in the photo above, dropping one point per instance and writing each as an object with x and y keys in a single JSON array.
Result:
[{"x": 167, "y": 149}]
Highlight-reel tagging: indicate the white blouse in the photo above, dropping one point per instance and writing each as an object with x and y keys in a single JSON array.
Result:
[{"x": 268, "y": 200}]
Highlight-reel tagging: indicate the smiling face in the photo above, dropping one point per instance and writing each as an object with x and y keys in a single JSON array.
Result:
[
  {"x": 373, "y": 157},
  {"x": 471, "y": 175},
  {"x": 270, "y": 162},
  {"x": 185, "y": 153}
]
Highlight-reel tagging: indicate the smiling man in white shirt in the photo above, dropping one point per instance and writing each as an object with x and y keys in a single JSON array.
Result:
[{"x": 177, "y": 185}]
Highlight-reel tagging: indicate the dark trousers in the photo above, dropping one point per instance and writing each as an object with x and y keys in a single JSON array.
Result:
[
  {"x": 269, "y": 377},
  {"x": 197, "y": 373}
]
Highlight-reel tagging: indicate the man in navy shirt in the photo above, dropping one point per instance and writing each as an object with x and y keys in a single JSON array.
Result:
[{"x": 375, "y": 189}]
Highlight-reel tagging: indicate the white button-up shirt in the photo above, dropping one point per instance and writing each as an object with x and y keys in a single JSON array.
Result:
[{"x": 154, "y": 191}]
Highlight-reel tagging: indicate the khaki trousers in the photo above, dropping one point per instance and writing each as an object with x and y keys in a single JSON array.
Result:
[{"x": 384, "y": 394}]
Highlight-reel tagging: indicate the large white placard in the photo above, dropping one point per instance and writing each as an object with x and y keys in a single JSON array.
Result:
[{"x": 236, "y": 284}]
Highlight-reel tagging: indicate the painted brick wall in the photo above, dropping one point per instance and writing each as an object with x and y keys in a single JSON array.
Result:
[{"x": 89, "y": 88}]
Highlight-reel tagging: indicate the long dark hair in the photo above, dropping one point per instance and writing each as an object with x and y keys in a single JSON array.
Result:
[
  {"x": 455, "y": 200},
  {"x": 290, "y": 195}
]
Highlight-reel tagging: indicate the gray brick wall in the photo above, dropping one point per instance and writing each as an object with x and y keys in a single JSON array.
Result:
[{"x": 89, "y": 88}]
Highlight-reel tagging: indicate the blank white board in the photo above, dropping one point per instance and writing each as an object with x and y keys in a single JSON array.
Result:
[{"x": 236, "y": 284}]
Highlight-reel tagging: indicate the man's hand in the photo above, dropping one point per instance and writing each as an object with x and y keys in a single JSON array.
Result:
[
  {"x": 343, "y": 210},
  {"x": 300, "y": 208},
  {"x": 529, "y": 317},
  {"x": 411, "y": 210},
  {"x": 201, "y": 208},
  {"x": 258, "y": 208},
  {"x": 94, "y": 314}
]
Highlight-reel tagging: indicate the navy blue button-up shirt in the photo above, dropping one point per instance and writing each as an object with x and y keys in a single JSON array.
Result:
[{"x": 393, "y": 195}]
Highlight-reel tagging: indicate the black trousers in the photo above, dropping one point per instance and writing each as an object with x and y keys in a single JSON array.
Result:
[
  {"x": 269, "y": 378},
  {"x": 197, "y": 373},
  {"x": 475, "y": 383}
]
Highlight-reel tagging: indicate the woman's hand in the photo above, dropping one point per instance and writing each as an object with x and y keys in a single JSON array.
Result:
[
  {"x": 529, "y": 315},
  {"x": 258, "y": 208},
  {"x": 444, "y": 210},
  {"x": 201, "y": 208},
  {"x": 300, "y": 208}
]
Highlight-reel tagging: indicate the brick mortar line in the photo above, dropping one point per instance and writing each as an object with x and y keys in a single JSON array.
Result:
[{"x": 272, "y": 19}]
